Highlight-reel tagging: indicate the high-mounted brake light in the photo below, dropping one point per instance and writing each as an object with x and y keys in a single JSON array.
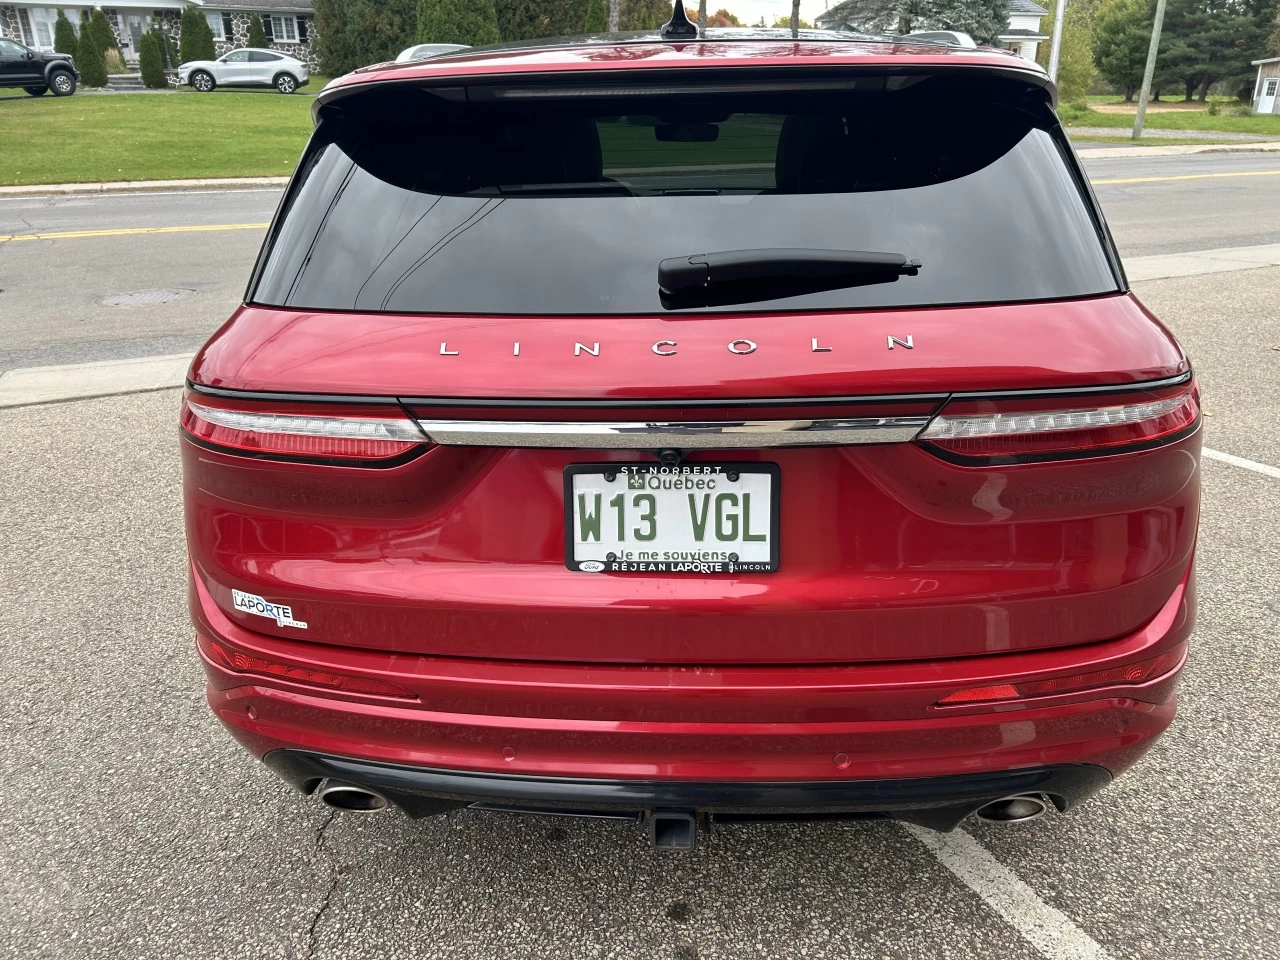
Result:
[
  {"x": 1129, "y": 673},
  {"x": 237, "y": 661},
  {"x": 1015, "y": 431},
  {"x": 325, "y": 433}
]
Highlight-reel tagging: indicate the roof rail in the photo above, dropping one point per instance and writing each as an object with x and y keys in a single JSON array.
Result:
[{"x": 952, "y": 38}]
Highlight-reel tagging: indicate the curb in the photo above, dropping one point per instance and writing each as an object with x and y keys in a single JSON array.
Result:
[
  {"x": 145, "y": 186},
  {"x": 1117, "y": 152}
]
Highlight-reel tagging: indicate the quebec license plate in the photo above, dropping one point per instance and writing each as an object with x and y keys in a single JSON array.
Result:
[{"x": 692, "y": 518}]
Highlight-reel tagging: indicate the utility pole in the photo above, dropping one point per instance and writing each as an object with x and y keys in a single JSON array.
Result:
[
  {"x": 613, "y": 16},
  {"x": 1150, "y": 72},
  {"x": 1056, "y": 48}
]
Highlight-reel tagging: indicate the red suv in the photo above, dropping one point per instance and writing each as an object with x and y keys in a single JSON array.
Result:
[{"x": 684, "y": 429}]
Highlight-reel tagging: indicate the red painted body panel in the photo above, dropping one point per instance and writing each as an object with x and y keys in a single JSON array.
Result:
[
  {"x": 1098, "y": 341},
  {"x": 708, "y": 723}
]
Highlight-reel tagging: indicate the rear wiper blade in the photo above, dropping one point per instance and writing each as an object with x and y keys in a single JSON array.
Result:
[{"x": 771, "y": 273}]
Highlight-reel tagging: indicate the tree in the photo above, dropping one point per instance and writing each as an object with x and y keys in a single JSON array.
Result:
[
  {"x": 90, "y": 61},
  {"x": 1208, "y": 41},
  {"x": 1121, "y": 35},
  {"x": 597, "y": 19},
  {"x": 531, "y": 19},
  {"x": 356, "y": 33},
  {"x": 984, "y": 20},
  {"x": 615, "y": 13},
  {"x": 64, "y": 35},
  {"x": 723, "y": 18},
  {"x": 473, "y": 22},
  {"x": 104, "y": 38},
  {"x": 151, "y": 61},
  {"x": 257, "y": 35},
  {"x": 645, "y": 14},
  {"x": 784, "y": 23},
  {"x": 1075, "y": 57},
  {"x": 197, "y": 37}
]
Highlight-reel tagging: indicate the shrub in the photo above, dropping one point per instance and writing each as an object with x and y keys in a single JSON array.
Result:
[
  {"x": 473, "y": 22},
  {"x": 257, "y": 36},
  {"x": 597, "y": 19},
  {"x": 114, "y": 60},
  {"x": 197, "y": 37},
  {"x": 104, "y": 38},
  {"x": 1243, "y": 110},
  {"x": 64, "y": 35},
  {"x": 93, "y": 67},
  {"x": 151, "y": 62},
  {"x": 1213, "y": 109}
]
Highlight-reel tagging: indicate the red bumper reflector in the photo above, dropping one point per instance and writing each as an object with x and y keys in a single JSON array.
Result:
[
  {"x": 237, "y": 661},
  {"x": 1129, "y": 673}
]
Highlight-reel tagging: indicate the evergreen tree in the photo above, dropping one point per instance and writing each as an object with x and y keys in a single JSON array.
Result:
[
  {"x": 1075, "y": 58},
  {"x": 473, "y": 22},
  {"x": 984, "y": 20},
  {"x": 531, "y": 19},
  {"x": 151, "y": 61},
  {"x": 196, "y": 37},
  {"x": 104, "y": 38},
  {"x": 356, "y": 33},
  {"x": 257, "y": 35},
  {"x": 90, "y": 61},
  {"x": 64, "y": 35},
  {"x": 644, "y": 14},
  {"x": 1121, "y": 35},
  {"x": 597, "y": 18}
]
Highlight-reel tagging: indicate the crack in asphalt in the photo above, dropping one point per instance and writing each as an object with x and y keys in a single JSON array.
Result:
[{"x": 333, "y": 885}]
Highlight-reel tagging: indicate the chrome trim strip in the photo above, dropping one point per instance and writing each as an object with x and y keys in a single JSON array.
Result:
[{"x": 683, "y": 435}]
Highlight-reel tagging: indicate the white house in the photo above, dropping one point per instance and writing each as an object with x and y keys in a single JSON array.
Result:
[
  {"x": 1266, "y": 90},
  {"x": 288, "y": 24},
  {"x": 1023, "y": 35}
]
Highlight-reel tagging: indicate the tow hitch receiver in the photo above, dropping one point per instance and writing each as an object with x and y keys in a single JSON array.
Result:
[{"x": 673, "y": 829}]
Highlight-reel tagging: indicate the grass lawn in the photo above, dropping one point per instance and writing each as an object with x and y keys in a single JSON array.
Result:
[
  {"x": 1174, "y": 120},
  {"x": 87, "y": 139}
]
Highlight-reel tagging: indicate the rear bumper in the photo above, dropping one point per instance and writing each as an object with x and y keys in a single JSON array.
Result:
[
  {"x": 937, "y": 802},
  {"x": 851, "y": 728}
]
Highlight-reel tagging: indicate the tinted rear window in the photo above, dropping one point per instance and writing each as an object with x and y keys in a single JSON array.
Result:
[{"x": 538, "y": 201}]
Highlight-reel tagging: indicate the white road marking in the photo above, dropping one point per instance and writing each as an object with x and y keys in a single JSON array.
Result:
[
  {"x": 79, "y": 381},
  {"x": 1263, "y": 468},
  {"x": 1050, "y": 931}
]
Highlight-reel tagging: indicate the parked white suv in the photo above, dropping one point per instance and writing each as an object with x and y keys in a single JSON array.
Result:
[{"x": 248, "y": 67}]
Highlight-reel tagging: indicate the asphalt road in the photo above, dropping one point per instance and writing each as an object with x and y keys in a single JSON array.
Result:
[
  {"x": 52, "y": 291},
  {"x": 136, "y": 828}
]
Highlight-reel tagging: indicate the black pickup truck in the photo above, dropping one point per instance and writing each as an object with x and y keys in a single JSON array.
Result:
[{"x": 36, "y": 72}]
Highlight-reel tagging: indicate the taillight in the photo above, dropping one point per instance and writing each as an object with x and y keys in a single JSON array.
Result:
[
  {"x": 238, "y": 661},
  {"x": 987, "y": 431},
  {"x": 356, "y": 435},
  {"x": 1129, "y": 673}
]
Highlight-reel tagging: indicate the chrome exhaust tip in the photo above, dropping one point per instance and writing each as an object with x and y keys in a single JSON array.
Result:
[
  {"x": 353, "y": 799},
  {"x": 1020, "y": 809}
]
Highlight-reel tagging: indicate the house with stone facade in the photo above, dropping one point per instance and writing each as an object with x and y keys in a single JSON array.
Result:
[{"x": 288, "y": 24}]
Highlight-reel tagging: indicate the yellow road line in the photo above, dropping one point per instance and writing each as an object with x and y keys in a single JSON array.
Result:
[
  {"x": 1192, "y": 176},
  {"x": 131, "y": 231}
]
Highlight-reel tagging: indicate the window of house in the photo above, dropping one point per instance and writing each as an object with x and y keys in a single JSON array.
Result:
[
  {"x": 215, "y": 24},
  {"x": 42, "y": 27},
  {"x": 284, "y": 29},
  {"x": 1269, "y": 89}
]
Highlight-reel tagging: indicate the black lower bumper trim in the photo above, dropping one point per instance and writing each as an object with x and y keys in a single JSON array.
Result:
[{"x": 937, "y": 802}]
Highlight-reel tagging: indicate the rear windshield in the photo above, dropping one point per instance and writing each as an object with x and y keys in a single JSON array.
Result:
[{"x": 554, "y": 200}]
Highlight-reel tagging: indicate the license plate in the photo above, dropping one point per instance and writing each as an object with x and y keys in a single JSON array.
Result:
[{"x": 693, "y": 518}]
